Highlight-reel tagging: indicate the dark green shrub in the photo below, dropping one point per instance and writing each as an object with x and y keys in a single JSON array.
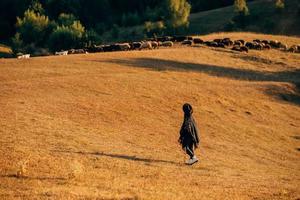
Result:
[
  {"x": 92, "y": 37},
  {"x": 230, "y": 26},
  {"x": 130, "y": 19},
  {"x": 66, "y": 37},
  {"x": 17, "y": 44}
]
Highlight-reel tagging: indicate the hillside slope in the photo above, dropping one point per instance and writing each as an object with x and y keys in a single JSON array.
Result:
[
  {"x": 105, "y": 125},
  {"x": 5, "y": 51},
  {"x": 265, "y": 19}
]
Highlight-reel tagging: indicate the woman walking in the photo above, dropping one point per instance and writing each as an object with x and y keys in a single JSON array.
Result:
[{"x": 189, "y": 138}]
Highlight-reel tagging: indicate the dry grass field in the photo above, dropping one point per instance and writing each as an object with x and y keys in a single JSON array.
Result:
[{"x": 105, "y": 125}]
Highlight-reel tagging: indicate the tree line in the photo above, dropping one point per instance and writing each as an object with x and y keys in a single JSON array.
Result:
[{"x": 31, "y": 25}]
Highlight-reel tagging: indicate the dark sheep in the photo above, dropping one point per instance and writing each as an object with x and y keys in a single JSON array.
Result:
[
  {"x": 293, "y": 49},
  {"x": 227, "y": 42},
  {"x": 198, "y": 41},
  {"x": 214, "y": 44},
  {"x": 250, "y": 45},
  {"x": 135, "y": 45},
  {"x": 222, "y": 45},
  {"x": 283, "y": 46},
  {"x": 235, "y": 48},
  {"x": 266, "y": 46},
  {"x": 165, "y": 38},
  {"x": 211, "y": 43},
  {"x": 275, "y": 44},
  {"x": 107, "y": 48},
  {"x": 179, "y": 38},
  {"x": 240, "y": 48},
  {"x": 95, "y": 49},
  {"x": 257, "y": 40},
  {"x": 207, "y": 43},
  {"x": 242, "y": 41},
  {"x": 244, "y": 49},
  {"x": 187, "y": 42},
  {"x": 217, "y": 40}
]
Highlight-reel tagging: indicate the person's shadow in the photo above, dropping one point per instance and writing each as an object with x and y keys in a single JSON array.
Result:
[{"x": 122, "y": 156}]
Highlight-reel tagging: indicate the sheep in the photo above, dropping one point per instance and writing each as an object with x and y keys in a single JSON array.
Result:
[
  {"x": 179, "y": 38},
  {"x": 275, "y": 44},
  {"x": 94, "y": 49},
  {"x": 238, "y": 43},
  {"x": 154, "y": 44},
  {"x": 61, "y": 53},
  {"x": 250, "y": 45},
  {"x": 167, "y": 44},
  {"x": 244, "y": 48},
  {"x": 25, "y": 56},
  {"x": 265, "y": 42},
  {"x": 198, "y": 41},
  {"x": 240, "y": 48},
  {"x": 76, "y": 51},
  {"x": 266, "y": 46},
  {"x": 187, "y": 42},
  {"x": 227, "y": 42},
  {"x": 293, "y": 49},
  {"x": 235, "y": 48},
  {"x": 217, "y": 40},
  {"x": 135, "y": 45},
  {"x": 146, "y": 45},
  {"x": 241, "y": 41},
  {"x": 165, "y": 38},
  {"x": 221, "y": 44},
  {"x": 283, "y": 46},
  {"x": 211, "y": 43},
  {"x": 122, "y": 47}
]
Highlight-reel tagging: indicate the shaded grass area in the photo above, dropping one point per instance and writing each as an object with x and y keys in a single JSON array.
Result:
[
  {"x": 292, "y": 76},
  {"x": 214, "y": 70},
  {"x": 263, "y": 18}
]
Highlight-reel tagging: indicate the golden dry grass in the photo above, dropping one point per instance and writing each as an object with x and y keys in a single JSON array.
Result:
[
  {"x": 5, "y": 51},
  {"x": 105, "y": 125}
]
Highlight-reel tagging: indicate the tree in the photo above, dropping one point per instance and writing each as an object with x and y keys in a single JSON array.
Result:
[
  {"x": 154, "y": 28},
  {"x": 241, "y": 7},
  {"x": 242, "y": 18},
  {"x": 66, "y": 19},
  {"x": 32, "y": 27},
  {"x": 178, "y": 12},
  {"x": 279, "y": 4},
  {"x": 37, "y": 7}
]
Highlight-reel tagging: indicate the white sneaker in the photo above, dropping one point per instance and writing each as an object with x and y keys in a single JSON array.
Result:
[
  {"x": 193, "y": 160},
  {"x": 188, "y": 161}
]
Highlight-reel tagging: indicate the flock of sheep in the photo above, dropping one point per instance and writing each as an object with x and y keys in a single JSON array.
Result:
[{"x": 169, "y": 41}]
